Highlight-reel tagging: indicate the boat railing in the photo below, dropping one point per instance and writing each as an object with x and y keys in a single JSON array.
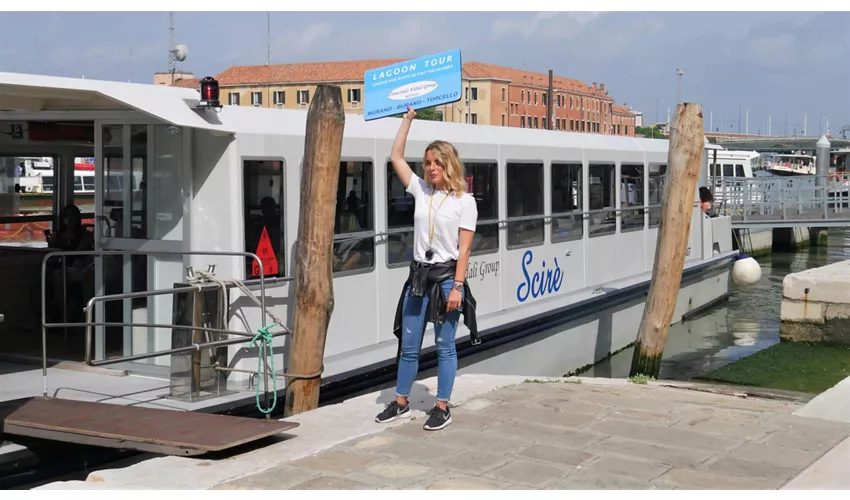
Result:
[{"x": 194, "y": 286}]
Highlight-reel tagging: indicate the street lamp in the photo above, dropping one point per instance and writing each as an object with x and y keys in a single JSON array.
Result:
[{"x": 680, "y": 72}]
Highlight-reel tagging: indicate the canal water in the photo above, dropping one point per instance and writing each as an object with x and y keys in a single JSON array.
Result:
[{"x": 746, "y": 323}]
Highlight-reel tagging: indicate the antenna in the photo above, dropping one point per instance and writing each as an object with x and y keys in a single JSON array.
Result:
[{"x": 176, "y": 53}]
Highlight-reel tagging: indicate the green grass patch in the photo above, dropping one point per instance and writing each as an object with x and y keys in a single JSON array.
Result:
[
  {"x": 790, "y": 366},
  {"x": 640, "y": 378}
]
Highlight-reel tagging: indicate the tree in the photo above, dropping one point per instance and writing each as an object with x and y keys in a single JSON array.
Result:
[
  {"x": 432, "y": 114},
  {"x": 650, "y": 132}
]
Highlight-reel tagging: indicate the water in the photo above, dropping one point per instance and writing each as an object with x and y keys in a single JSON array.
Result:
[{"x": 747, "y": 323}]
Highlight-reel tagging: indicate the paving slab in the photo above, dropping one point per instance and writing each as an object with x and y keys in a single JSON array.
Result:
[{"x": 509, "y": 433}]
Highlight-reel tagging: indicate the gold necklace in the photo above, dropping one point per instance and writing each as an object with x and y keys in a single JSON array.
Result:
[{"x": 430, "y": 253}]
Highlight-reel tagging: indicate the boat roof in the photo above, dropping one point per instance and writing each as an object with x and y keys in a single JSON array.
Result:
[
  {"x": 36, "y": 93},
  {"x": 176, "y": 105}
]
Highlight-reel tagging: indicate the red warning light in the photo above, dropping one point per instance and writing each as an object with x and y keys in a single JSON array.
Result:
[{"x": 209, "y": 93}]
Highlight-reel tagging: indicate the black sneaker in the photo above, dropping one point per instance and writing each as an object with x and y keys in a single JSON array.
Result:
[
  {"x": 392, "y": 412},
  {"x": 438, "y": 419}
]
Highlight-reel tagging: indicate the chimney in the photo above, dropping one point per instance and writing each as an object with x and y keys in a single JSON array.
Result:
[
  {"x": 550, "y": 106},
  {"x": 602, "y": 87},
  {"x": 594, "y": 85}
]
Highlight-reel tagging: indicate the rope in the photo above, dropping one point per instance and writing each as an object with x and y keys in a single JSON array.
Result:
[{"x": 266, "y": 338}]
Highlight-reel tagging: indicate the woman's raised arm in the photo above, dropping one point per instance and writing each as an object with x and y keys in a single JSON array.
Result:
[{"x": 402, "y": 169}]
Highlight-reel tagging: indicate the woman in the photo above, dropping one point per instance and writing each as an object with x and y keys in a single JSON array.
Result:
[{"x": 436, "y": 291}]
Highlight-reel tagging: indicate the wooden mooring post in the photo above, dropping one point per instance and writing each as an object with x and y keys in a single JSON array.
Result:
[
  {"x": 684, "y": 160},
  {"x": 314, "y": 297}
]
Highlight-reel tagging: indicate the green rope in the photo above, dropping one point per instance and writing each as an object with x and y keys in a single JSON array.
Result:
[{"x": 265, "y": 337}]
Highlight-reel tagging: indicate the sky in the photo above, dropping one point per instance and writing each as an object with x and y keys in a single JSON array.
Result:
[{"x": 764, "y": 62}]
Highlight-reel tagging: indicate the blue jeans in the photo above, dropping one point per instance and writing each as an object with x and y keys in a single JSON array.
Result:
[{"x": 412, "y": 330}]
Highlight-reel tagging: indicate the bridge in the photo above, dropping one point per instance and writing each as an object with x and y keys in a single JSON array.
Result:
[
  {"x": 767, "y": 144},
  {"x": 784, "y": 201}
]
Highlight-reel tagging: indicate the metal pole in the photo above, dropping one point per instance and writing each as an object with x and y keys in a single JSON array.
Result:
[{"x": 822, "y": 169}]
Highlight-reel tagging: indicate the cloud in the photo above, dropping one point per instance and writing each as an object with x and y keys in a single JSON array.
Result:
[
  {"x": 545, "y": 25},
  {"x": 306, "y": 39},
  {"x": 772, "y": 51}
]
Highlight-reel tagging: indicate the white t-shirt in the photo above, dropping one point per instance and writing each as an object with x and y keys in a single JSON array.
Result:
[{"x": 449, "y": 213}]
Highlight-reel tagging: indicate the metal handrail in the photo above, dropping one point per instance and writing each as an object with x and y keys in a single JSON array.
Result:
[{"x": 104, "y": 253}]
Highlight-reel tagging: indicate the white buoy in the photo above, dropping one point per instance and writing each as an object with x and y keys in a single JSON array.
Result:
[{"x": 746, "y": 270}]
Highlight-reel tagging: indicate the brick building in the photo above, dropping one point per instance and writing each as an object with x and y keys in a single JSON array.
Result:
[{"x": 493, "y": 95}]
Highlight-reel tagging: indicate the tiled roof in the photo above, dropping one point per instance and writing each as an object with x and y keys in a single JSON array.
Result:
[
  {"x": 518, "y": 76},
  {"x": 193, "y": 83},
  {"x": 341, "y": 71},
  {"x": 621, "y": 110},
  {"x": 345, "y": 71}
]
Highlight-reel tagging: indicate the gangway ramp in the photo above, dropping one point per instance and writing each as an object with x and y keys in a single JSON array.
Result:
[{"x": 169, "y": 432}]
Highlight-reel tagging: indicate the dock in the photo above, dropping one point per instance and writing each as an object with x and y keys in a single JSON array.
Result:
[
  {"x": 132, "y": 427},
  {"x": 520, "y": 433}
]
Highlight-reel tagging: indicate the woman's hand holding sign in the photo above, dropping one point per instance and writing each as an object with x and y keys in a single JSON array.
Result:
[{"x": 410, "y": 115}]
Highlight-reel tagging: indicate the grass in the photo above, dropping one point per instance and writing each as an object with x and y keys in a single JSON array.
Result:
[
  {"x": 640, "y": 378},
  {"x": 790, "y": 366}
]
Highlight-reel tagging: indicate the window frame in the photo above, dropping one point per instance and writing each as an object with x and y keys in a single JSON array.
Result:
[
  {"x": 414, "y": 165},
  {"x": 494, "y": 164},
  {"x": 663, "y": 183},
  {"x": 576, "y": 212},
  {"x": 613, "y": 208},
  {"x": 359, "y": 235},
  {"x": 509, "y": 219},
  {"x": 283, "y": 260},
  {"x": 641, "y": 208}
]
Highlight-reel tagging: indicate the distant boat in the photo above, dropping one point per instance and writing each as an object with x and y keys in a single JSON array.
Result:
[{"x": 791, "y": 164}]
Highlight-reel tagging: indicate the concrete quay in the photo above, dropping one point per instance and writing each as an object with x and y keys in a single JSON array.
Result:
[
  {"x": 816, "y": 305},
  {"x": 514, "y": 433}
]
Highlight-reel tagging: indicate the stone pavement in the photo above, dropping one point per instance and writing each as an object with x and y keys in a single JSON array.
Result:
[{"x": 568, "y": 435}]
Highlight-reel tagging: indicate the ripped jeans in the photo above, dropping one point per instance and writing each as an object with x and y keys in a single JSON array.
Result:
[{"x": 412, "y": 331}]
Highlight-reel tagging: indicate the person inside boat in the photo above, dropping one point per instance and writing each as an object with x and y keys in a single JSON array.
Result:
[
  {"x": 705, "y": 199},
  {"x": 71, "y": 237},
  {"x": 436, "y": 290}
]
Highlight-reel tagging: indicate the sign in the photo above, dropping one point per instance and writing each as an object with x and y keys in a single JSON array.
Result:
[
  {"x": 266, "y": 254},
  {"x": 420, "y": 83},
  {"x": 546, "y": 281}
]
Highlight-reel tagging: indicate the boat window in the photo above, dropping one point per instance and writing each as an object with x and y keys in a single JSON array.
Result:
[
  {"x": 739, "y": 171},
  {"x": 525, "y": 204},
  {"x": 602, "y": 191},
  {"x": 481, "y": 180},
  {"x": 567, "y": 220},
  {"x": 78, "y": 183},
  {"x": 631, "y": 197},
  {"x": 400, "y": 208},
  {"x": 657, "y": 175},
  {"x": 717, "y": 171},
  {"x": 119, "y": 188},
  {"x": 263, "y": 195},
  {"x": 354, "y": 226},
  {"x": 727, "y": 171},
  {"x": 29, "y": 192}
]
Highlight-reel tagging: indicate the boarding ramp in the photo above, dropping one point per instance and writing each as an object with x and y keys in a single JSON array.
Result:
[
  {"x": 200, "y": 338},
  {"x": 784, "y": 201}
]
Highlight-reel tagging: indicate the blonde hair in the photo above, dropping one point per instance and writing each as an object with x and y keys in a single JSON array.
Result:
[{"x": 455, "y": 172}]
